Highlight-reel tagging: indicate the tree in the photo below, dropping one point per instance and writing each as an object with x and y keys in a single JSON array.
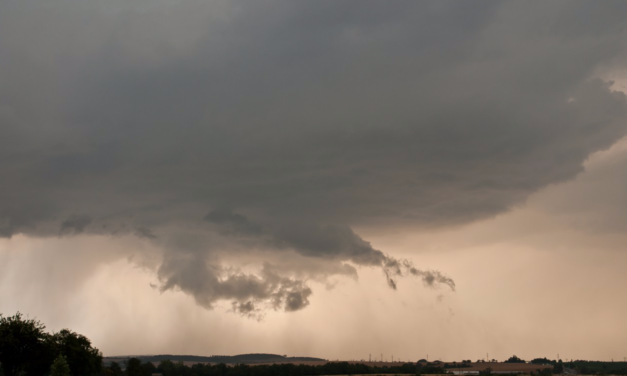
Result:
[
  {"x": 514, "y": 359},
  {"x": 487, "y": 371},
  {"x": 113, "y": 369},
  {"x": 559, "y": 367},
  {"x": 60, "y": 367},
  {"x": 24, "y": 345},
  {"x": 133, "y": 367},
  {"x": 166, "y": 367},
  {"x": 82, "y": 358},
  {"x": 147, "y": 369},
  {"x": 542, "y": 361},
  {"x": 418, "y": 367},
  {"x": 546, "y": 372}
]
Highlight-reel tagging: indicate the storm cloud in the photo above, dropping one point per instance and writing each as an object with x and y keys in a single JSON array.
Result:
[
  {"x": 209, "y": 284},
  {"x": 278, "y": 128}
]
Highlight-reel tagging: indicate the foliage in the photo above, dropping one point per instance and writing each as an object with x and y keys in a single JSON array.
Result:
[
  {"x": 463, "y": 364},
  {"x": 24, "y": 345},
  {"x": 598, "y": 368},
  {"x": 487, "y": 371},
  {"x": 82, "y": 358},
  {"x": 514, "y": 359},
  {"x": 543, "y": 361},
  {"x": 60, "y": 367},
  {"x": 133, "y": 367},
  {"x": 25, "y": 348},
  {"x": 113, "y": 369},
  {"x": 546, "y": 372},
  {"x": 558, "y": 367},
  {"x": 147, "y": 369}
]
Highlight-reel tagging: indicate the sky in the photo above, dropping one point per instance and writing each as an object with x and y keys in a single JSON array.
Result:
[{"x": 328, "y": 179}]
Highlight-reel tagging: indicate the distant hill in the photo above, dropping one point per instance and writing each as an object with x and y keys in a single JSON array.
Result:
[{"x": 228, "y": 359}]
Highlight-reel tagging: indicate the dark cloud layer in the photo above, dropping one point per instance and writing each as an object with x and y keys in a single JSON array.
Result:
[
  {"x": 311, "y": 118},
  {"x": 75, "y": 224}
]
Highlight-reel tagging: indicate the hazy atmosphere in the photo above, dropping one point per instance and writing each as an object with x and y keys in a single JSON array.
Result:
[{"x": 321, "y": 178}]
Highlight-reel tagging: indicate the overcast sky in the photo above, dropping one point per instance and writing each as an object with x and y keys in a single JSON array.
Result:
[{"x": 317, "y": 178}]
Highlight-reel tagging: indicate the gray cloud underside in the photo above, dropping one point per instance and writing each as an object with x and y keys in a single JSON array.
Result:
[
  {"x": 331, "y": 242},
  {"x": 312, "y": 118},
  {"x": 205, "y": 283}
]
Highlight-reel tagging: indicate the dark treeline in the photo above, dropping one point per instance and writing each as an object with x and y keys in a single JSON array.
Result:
[
  {"x": 588, "y": 367},
  {"x": 135, "y": 367},
  {"x": 585, "y": 367},
  {"x": 462, "y": 364},
  {"x": 514, "y": 359},
  {"x": 26, "y": 349}
]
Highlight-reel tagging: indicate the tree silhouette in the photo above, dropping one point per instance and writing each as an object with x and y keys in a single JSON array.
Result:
[
  {"x": 60, "y": 367},
  {"x": 25, "y": 348},
  {"x": 82, "y": 358},
  {"x": 23, "y": 344},
  {"x": 133, "y": 367}
]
